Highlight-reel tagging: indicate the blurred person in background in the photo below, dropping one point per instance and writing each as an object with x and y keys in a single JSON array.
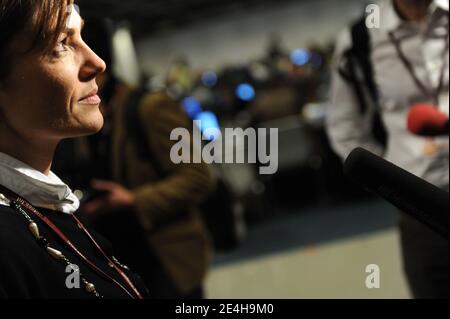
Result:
[
  {"x": 142, "y": 200},
  {"x": 180, "y": 78},
  {"x": 380, "y": 73}
]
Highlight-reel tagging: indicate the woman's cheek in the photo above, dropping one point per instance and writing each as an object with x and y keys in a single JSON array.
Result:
[
  {"x": 65, "y": 115},
  {"x": 62, "y": 87}
]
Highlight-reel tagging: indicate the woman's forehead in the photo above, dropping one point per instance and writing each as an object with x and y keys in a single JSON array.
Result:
[{"x": 74, "y": 20}]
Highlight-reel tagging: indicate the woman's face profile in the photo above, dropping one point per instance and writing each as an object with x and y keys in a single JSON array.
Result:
[{"x": 53, "y": 95}]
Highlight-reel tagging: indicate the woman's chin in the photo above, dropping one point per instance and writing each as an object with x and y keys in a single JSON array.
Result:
[
  {"x": 87, "y": 126},
  {"x": 94, "y": 126}
]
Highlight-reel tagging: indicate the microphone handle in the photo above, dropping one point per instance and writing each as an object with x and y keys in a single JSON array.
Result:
[{"x": 411, "y": 194}]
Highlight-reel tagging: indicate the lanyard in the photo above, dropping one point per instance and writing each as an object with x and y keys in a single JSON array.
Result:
[
  {"x": 13, "y": 197},
  {"x": 433, "y": 94}
]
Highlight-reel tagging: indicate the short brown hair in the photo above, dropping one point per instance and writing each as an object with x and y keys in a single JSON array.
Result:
[{"x": 46, "y": 19}]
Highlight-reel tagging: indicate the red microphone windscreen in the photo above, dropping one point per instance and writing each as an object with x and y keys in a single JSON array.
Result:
[{"x": 426, "y": 120}]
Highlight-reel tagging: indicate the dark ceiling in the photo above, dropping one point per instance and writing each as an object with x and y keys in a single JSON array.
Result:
[{"x": 148, "y": 16}]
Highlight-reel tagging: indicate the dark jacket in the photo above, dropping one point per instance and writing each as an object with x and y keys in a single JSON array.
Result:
[{"x": 27, "y": 271}]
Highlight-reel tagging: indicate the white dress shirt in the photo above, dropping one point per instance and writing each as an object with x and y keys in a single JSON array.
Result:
[
  {"x": 424, "y": 46},
  {"x": 40, "y": 190}
]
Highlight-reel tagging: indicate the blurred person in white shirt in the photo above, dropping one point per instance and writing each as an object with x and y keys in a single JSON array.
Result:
[{"x": 379, "y": 74}]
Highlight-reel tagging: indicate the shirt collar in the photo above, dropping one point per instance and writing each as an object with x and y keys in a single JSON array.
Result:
[
  {"x": 390, "y": 19},
  {"x": 440, "y": 4},
  {"x": 40, "y": 190}
]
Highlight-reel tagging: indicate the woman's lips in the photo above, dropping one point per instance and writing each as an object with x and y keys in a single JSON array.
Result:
[{"x": 93, "y": 100}]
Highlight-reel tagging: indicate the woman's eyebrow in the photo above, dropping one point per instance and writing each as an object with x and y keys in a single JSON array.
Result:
[{"x": 72, "y": 31}]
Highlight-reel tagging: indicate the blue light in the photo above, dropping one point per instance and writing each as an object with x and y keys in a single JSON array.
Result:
[
  {"x": 209, "y": 79},
  {"x": 300, "y": 57},
  {"x": 208, "y": 121},
  {"x": 191, "y": 106},
  {"x": 245, "y": 92}
]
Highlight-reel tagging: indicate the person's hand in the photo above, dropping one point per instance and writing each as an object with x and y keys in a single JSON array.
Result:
[{"x": 117, "y": 195}]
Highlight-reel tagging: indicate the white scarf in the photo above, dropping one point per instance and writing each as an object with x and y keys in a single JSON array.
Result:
[{"x": 40, "y": 190}]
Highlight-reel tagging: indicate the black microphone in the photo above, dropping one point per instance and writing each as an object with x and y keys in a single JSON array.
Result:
[{"x": 411, "y": 194}]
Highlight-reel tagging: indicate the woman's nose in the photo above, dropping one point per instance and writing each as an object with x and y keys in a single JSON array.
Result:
[{"x": 93, "y": 65}]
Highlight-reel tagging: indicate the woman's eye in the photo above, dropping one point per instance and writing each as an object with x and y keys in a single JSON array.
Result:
[{"x": 61, "y": 46}]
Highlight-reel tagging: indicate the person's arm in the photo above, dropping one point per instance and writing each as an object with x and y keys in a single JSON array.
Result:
[
  {"x": 186, "y": 184},
  {"x": 347, "y": 127}
]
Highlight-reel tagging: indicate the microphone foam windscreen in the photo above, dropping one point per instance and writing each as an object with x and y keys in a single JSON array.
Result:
[{"x": 427, "y": 120}]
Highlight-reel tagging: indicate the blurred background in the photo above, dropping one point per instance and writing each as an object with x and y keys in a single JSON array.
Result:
[{"x": 304, "y": 232}]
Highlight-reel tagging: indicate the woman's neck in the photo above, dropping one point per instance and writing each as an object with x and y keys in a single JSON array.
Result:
[
  {"x": 32, "y": 151},
  {"x": 412, "y": 10}
]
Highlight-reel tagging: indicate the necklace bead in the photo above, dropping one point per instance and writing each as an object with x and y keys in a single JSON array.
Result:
[
  {"x": 90, "y": 288},
  {"x": 34, "y": 229},
  {"x": 55, "y": 253},
  {"x": 42, "y": 242}
]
